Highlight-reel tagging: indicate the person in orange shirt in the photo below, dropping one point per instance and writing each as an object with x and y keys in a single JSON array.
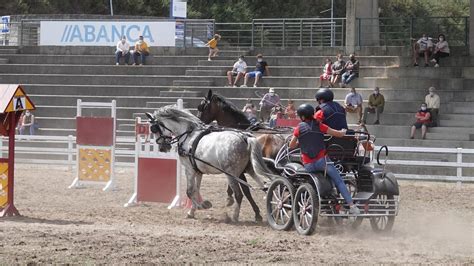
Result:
[
  {"x": 212, "y": 44},
  {"x": 142, "y": 50}
]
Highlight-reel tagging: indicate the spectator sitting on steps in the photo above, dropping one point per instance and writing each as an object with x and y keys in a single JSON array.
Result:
[
  {"x": 433, "y": 101},
  {"x": 290, "y": 110},
  {"x": 28, "y": 123},
  {"x": 250, "y": 111},
  {"x": 259, "y": 71},
  {"x": 423, "y": 121},
  {"x": 353, "y": 103},
  {"x": 238, "y": 70},
  {"x": 441, "y": 50},
  {"x": 123, "y": 50},
  {"x": 376, "y": 104},
  {"x": 351, "y": 71},
  {"x": 337, "y": 70},
  {"x": 142, "y": 50},
  {"x": 422, "y": 48},
  {"x": 327, "y": 74}
]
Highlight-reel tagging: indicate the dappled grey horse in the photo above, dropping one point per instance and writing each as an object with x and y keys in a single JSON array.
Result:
[{"x": 203, "y": 151}]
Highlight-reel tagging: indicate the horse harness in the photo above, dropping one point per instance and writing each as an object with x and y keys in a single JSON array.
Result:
[{"x": 203, "y": 132}]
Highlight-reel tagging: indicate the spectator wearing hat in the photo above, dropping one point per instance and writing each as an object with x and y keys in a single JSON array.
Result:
[
  {"x": 260, "y": 69},
  {"x": 123, "y": 50},
  {"x": 433, "y": 101},
  {"x": 142, "y": 50},
  {"x": 238, "y": 71},
  {"x": 376, "y": 104},
  {"x": 269, "y": 100}
]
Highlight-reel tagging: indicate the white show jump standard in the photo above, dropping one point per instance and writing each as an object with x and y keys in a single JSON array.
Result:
[
  {"x": 157, "y": 174},
  {"x": 95, "y": 145}
]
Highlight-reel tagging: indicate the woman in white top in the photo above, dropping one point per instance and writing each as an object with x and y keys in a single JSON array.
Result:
[{"x": 441, "y": 49}]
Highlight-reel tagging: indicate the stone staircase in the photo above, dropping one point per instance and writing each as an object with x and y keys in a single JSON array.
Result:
[{"x": 55, "y": 77}]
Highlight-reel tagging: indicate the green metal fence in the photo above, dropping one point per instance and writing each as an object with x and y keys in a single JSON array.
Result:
[{"x": 402, "y": 31}]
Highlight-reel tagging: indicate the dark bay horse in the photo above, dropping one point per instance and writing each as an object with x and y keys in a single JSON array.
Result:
[{"x": 215, "y": 107}]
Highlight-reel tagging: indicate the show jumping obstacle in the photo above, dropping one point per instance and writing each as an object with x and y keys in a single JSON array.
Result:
[
  {"x": 157, "y": 174},
  {"x": 13, "y": 101},
  {"x": 95, "y": 139}
]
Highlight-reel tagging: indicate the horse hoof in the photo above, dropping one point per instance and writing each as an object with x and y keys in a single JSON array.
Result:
[
  {"x": 227, "y": 219},
  {"x": 230, "y": 202},
  {"x": 258, "y": 218},
  {"x": 189, "y": 216},
  {"x": 206, "y": 204}
]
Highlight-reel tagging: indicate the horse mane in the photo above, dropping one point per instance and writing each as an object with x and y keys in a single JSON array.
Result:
[
  {"x": 229, "y": 108},
  {"x": 173, "y": 113}
]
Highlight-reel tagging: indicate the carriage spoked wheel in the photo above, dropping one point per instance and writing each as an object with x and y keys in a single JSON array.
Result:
[
  {"x": 305, "y": 209},
  {"x": 279, "y": 204},
  {"x": 383, "y": 223}
]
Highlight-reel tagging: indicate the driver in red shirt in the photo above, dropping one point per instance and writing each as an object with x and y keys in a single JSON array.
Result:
[{"x": 309, "y": 134}]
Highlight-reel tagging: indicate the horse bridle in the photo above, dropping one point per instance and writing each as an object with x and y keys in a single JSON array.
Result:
[{"x": 167, "y": 140}]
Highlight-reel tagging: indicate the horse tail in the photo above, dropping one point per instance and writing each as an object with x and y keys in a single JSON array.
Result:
[{"x": 256, "y": 160}]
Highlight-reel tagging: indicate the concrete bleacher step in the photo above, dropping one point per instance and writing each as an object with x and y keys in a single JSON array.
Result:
[
  {"x": 161, "y": 104},
  {"x": 205, "y": 72},
  {"x": 418, "y": 142},
  {"x": 219, "y": 69},
  {"x": 192, "y": 82},
  {"x": 249, "y": 92},
  {"x": 188, "y": 60},
  {"x": 312, "y": 82},
  {"x": 4, "y": 61},
  {"x": 456, "y": 123},
  {"x": 180, "y": 93}
]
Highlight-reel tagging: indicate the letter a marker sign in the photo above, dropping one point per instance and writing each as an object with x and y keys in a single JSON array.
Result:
[{"x": 13, "y": 101}]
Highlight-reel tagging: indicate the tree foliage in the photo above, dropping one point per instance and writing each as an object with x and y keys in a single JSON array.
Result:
[{"x": 234, "y": 10}]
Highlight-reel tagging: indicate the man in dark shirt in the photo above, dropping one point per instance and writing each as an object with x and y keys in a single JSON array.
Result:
[
  {"x": 259, "y": 71},
  {"x": 352, "y": 71}
]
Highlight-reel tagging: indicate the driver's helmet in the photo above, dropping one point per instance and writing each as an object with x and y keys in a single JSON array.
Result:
[
  {"x": 305, "y": 110},
  {"x": 324, "y": 94}
]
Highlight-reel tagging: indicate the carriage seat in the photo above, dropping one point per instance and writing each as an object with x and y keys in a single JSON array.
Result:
[{"x": 294, "y": 168}]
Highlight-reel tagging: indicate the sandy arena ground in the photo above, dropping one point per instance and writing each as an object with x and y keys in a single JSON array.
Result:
[{"x": 60, "y": 225}]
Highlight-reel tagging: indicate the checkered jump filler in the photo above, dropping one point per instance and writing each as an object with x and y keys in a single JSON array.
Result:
[{"x": 95, "y": 145}]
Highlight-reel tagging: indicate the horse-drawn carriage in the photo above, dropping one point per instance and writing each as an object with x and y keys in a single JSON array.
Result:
[{"x": 298, "y": 198}]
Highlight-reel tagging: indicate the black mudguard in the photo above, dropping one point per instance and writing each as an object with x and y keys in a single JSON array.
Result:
[{"x": 385, "y": 183}]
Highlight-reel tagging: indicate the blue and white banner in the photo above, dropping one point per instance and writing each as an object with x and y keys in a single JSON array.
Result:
[
  {"x": 5, "y": 24},
  {"x": 106, "y": 33}
]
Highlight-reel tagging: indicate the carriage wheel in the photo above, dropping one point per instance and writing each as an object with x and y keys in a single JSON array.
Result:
[
  {"x": 279, "y": 203},
  {"x": 306, "y": 209},
  {"x": 383, "y": 223}
]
